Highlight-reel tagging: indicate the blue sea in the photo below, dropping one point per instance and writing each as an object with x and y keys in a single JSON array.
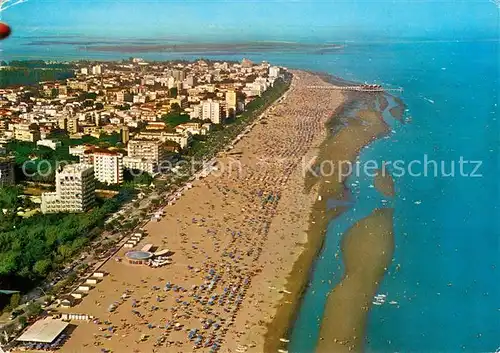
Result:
[{"x": 445, "y": 274}]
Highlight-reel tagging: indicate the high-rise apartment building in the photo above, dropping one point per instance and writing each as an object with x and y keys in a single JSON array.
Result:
[
  {"x": 72, "y": 125},
  {"x": 231, "y": 103},
  {"x": 274, "y": 71},
  {"x": 144, "y": 155},
  {"x": 26, "y": 132},
  {"x": 96, "y": 70},
  {"x": 147, "y": 149},
  {"x": 125, "y": 134},
  {"x": 75, "y": 190},
  {"x": 108, "y": 165},
  {"x": 211, "y": 110}
]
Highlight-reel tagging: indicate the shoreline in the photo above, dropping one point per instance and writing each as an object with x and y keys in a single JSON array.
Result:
[
  {"x": 366, "y": 256},
  {"x": 229, "y": 228},
  {"x": 320, "y": 216}
]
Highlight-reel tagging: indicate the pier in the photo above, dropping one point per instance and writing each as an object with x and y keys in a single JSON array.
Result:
[{"x": 359, "y": 88}]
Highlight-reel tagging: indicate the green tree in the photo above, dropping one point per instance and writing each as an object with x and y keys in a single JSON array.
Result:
[
  {"x": 15, "y": 300},
  {"x": 172, "y": 92},
  {"x": 42, "y": 267},
  {"x": 33, "y": 309},
  {"x": 175, "y": 107},
  {"x": 23, "y": 321}
]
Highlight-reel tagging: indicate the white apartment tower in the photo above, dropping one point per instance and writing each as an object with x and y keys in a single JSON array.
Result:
[
  {"x": 108, "y": 166},
  {"x": 144, "y": 155},
  {"x": 274, "y": 71},
  {"x": 96, "y": 70},
  {"x": 75, "y": 190},
  {"x": 148, "y": 149},
  {"x": 211, "y": 110}
]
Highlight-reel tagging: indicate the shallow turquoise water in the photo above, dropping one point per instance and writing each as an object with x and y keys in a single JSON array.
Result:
[{"x": 446, "y": 228}]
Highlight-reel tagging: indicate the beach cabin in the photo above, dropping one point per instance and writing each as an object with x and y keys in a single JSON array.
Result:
[
  {"x": 81, "y": 317},
  {"x": 98, "y": 274},
  {"x": 67, "y": 301},
  {"x": 84, "y": 288},
  {"x": 91, "y": 281},
  {"x": 77, "y": 295}
]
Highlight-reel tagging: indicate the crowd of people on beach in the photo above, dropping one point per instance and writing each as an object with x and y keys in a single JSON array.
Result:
[{"x": 218, "y": 230}]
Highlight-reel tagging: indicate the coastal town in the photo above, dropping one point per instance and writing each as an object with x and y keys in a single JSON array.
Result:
[
  {"x": 209, "y": 254},
  {"x": 107, "y": 121},
  {"x": 152, "y": 109},
  {"x": 215, "y": 261},
  {"x": 249, "y": 176}
]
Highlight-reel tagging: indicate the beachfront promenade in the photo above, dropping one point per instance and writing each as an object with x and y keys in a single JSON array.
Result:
[{"x": 234, "y": 237}]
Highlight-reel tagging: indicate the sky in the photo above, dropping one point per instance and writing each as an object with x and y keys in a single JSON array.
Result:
[{"x": 213, "y": 20}]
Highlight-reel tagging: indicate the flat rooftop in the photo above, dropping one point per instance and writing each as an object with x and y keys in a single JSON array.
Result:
[{"x": 43, "y": 331}]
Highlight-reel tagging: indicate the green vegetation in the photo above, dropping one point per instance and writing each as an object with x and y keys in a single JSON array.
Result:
[
  {"x": 37, "y": 163},
  {"x": 30, "y": 248},
  {"x": 176, "y": 108},
  {"x": 173, "y": 119},
  {"x": 135, "y": 177},
  {"x": 42, "y": 160},
  {"x": 30, "y": 72},
  {"x": 15, "y": 300},
  {"x": 34, "y": 64},
  {"x": 104, "y": 140},
  {"x": 25, "y": 76},
  {"x": 9, "y": 197},
  {"x": 172, "y": 92}
]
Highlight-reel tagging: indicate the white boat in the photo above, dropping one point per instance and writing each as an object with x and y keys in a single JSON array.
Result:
[
  {"x": 377, "y": 303},
  {"x": 417, "y": 202},
  {"x": 393, "y": 302}
]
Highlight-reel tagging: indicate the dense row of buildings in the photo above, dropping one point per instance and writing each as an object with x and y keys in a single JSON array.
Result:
[{"x": 130, "y": 99}]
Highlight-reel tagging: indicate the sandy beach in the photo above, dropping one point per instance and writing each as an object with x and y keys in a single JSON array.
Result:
[
  {"x": 367, "y": 250},
  {"x": 234, "y": 236},
  {"x": 350, "y": 135}
]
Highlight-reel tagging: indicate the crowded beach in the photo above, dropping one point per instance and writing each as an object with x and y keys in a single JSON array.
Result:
[{"x": 229, "y": 241}]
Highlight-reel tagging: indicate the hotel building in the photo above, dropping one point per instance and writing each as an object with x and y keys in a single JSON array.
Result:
[
  {"x": 108, "y": 165},
  {"x": 144, "y": 155},
  {"x": 75, "y": 190},
  {"x": 211, "y": 110},
  {"x": 26, "y": 132}
]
